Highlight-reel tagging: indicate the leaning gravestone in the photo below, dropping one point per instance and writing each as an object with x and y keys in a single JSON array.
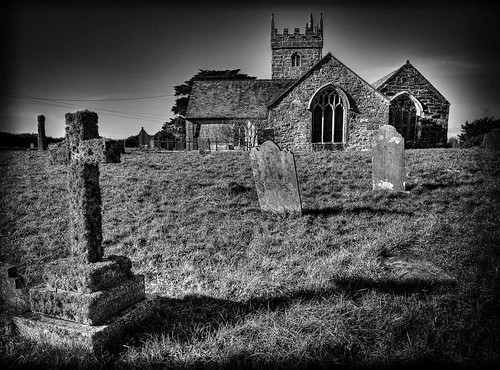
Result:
[
  {"x": 12, "y": 288},
  {"x": 492, "y": 140},
  {"x": 388, "y": 160},
  {"x": 86, "y": 300},
  {"x": 275, "y": 178}
]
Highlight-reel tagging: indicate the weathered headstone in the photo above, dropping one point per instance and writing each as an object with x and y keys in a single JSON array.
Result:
[
  {"x": 275, "y": 178},
  {"x": 42, "y": 140},
  {"x": 388, "y": 160},
  {"x": 12, "y": 288},
  {"x": 492, "y": 140},
  {"x": 86, "y": 299}
]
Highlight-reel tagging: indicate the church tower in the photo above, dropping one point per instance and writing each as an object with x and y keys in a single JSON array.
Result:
[{"x": 294, "y": 54}]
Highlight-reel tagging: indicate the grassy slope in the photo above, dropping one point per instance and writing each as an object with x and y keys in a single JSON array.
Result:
[{"x": 244, "y": 288}]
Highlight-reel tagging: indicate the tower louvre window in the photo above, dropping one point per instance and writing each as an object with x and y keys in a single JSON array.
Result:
[{"x": 296, "y": 60}]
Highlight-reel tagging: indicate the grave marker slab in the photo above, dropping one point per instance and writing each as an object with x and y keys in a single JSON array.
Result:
[
  {"x": 388, "y": 160},
  {"x": 275, "y": 178},
  {"x": 12, "y": 287},
  {"x": 492, "y": 140}
]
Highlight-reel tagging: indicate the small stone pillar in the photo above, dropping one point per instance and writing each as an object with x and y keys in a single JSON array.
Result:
[
  {"x": 388, "y": 160},
  {"x": 42, "y": 140}
]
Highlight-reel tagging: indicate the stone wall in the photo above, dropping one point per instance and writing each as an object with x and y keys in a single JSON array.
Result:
[
  {"x": 292, "y": 121},
  {"x": 434, "y": 120},
  {"x": 308, "y": 45},
  {"x": 282, "y": 62}
]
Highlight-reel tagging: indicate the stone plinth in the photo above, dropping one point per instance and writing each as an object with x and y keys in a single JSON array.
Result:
[
  {"x": 87, "y": 308},
  {"x": 388, "y": 160},
  {"x": 69, "y": 274},
  {"x": 275, "y": 179},
  {"x": 63, "y": 333}
]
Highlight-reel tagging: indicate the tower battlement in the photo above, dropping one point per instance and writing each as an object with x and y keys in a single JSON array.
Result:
[{"x": 312, "y": 37}]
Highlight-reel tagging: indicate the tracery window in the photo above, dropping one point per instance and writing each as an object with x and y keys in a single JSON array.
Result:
[
  {"x": 327, "y": 117},
  {"x": 296, "y": 60},
  {"x": 403, "y": 116}
]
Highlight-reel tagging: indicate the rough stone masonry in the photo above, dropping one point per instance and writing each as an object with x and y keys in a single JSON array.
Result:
[{"x": 83, "y": 184}]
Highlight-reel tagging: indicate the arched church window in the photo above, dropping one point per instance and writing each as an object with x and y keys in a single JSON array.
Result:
[
  {"x": 403, "y": 116},
  {"x": 296, "y": 60},
  {"x": 327, "y": 117}
]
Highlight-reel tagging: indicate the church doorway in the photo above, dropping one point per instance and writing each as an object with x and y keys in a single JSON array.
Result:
[
  {"x": 328, "y": 114},
  {"x": 403, "y": 116}
]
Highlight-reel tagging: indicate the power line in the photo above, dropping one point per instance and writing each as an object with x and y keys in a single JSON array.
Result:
[
  {"x": 81, "y": 100},
  {"x": 141, "y": 116}
]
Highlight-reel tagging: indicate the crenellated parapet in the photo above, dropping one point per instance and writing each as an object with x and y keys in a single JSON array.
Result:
[{"x": 311, "y": 38}]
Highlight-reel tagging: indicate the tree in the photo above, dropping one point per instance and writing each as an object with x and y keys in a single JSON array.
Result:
[
  {"x": 473, "y": 131},
  {"x": 132, "y": 141},
  {"x": 173, "y": 129}
]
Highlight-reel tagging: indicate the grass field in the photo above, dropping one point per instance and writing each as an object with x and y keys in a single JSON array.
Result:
[{"x": 239, "y": 288}]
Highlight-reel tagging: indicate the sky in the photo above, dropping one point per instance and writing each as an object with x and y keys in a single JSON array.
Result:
[{"x": 122, "y": 59}]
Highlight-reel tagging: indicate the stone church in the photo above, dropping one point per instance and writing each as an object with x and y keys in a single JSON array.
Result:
[{"x": 316, "y": 102}]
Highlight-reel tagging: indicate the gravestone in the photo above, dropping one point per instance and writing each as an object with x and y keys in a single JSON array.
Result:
[
  {"x": 492, "y": 140},
  {"x": 87, "y": 299},
  {"x": 275, "y": 178},
  {"x": 388, "y": 160},
  {"x": 42, "y": 140},
  {"x": 12, "y": 288}
]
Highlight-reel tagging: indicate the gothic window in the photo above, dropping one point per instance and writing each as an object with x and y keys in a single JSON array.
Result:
[
  {"x": 403, "y": 116},
  {"x": 327, "y": 117},
  {"x": 296, "y": 60}
]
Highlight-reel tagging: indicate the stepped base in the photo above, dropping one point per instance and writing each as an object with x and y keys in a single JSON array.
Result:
[
  {"x": 87, "y": 308},
  {"x": 63, "y": 333}
]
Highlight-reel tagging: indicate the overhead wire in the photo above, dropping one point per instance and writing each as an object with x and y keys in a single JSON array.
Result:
[{"x": 63, "y": 103}]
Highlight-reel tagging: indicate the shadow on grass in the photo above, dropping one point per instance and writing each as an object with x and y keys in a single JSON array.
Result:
[
  {"x": 333, "y": 211},
  {"x": 195, "y": 318}
]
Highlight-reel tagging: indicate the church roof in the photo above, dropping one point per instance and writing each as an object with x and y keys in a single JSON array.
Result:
[
  {"x": 384, "y": 79},
  {"x": 232, "y": 99}
]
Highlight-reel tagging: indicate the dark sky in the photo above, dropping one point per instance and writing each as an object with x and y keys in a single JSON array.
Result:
[{"x": 77, "y": 55}]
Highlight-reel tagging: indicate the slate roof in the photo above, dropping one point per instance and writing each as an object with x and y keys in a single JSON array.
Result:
[
  {"x": 233, "y": 99},
  {"x": 384, "y": 79}
]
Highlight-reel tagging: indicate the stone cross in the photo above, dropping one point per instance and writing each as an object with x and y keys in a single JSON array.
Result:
[
  {"x": 83, "y": 182},
  {"x": 275, "y": 178},
  {"x": 388, "y": 160},
  {"x": 42, "y": 140}
]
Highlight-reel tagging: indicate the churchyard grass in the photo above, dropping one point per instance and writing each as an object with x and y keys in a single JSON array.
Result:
[{"x": 240, "y": 288}]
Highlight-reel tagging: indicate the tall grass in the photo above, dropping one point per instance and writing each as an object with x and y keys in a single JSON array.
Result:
[{"x": 241, "y": 288}]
